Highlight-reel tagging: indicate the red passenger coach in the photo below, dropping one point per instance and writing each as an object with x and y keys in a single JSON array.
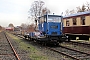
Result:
[
  {"x": 77, "y": 25},
  {"x": 77, "y": 30},
  {"x": 9, "y": 28}
]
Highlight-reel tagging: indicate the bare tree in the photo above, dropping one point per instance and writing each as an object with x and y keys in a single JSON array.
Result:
[
  {"x": 10, "y": 25},
  {"x": 0, "y": 27},
  {"x": 31, "y": 28},
  {"x": 37, "y": 9},
  {"x": 83, "y": 8},
  {"x": 67, "y": 12},
  {"x": 44, "y": 10},
  {"x": 78, "y": 9},
  {"x": 88, "y": 6},
  {"x": 23, "y": 26},
  {"x": 72, "y": 11}
]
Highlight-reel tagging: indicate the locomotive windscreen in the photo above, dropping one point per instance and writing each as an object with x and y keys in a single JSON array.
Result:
[{"x": 54, "y": 19}]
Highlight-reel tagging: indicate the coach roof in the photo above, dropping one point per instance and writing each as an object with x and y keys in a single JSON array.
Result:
[{"x": 77, "y": 14}]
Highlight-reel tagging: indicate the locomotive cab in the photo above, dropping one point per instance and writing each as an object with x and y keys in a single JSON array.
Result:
[{"x": 51, "y": 27}]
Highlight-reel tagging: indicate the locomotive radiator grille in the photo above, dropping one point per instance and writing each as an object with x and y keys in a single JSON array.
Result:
[{"x": 54, "y": 33}]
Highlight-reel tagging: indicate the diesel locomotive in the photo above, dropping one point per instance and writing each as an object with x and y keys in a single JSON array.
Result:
[{"x": 49, "y": 30}]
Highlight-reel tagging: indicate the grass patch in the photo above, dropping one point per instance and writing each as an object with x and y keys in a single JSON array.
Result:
[{"x": 34, "y": 54}]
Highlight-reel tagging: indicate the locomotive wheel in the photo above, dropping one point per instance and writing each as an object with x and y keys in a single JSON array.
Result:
[{"x": 56, "y": 44}]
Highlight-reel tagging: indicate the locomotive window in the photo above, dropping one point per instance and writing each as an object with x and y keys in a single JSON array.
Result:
[
  {"x": 83, "y": 20},
  {"x": 74, "y": 21},
  {"x": 54, "y": 19},
  {"x": 55, "y": 27}
]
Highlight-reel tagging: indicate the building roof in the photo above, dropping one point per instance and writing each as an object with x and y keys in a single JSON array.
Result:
[{"x": 77, "y": 14}]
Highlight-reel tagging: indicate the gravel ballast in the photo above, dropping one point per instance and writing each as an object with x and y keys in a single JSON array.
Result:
[{"x": 29, "y": 50}]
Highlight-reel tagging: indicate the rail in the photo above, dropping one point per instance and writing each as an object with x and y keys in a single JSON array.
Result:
[
  {"x": 16, "y": 55},
  {"x": 65, "y": 50}
]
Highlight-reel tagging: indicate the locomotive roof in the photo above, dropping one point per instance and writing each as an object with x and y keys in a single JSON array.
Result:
[
  {"x": 77, "y": 14},
  {"x": 52, "y": 15}
]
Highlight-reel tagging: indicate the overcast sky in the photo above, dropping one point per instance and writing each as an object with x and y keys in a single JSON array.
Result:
[{"x": 16, "y": 11}]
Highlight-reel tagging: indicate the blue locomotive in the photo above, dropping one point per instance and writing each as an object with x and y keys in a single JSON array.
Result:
[{"x": 49, "y": 30}]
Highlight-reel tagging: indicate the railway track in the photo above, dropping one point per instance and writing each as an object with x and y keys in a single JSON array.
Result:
[
  {"x": 71, "y": 53},
  {"x": 7, "y": 51},
  {"x": 74, "y": 54},
  {"x": 79, "y": 43}
]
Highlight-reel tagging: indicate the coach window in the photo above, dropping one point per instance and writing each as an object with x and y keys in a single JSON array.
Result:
[
  {"x": 74, "y": 21},
  {"x": 67, "y": 23},
  {"x": 83, "y": 20}
]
